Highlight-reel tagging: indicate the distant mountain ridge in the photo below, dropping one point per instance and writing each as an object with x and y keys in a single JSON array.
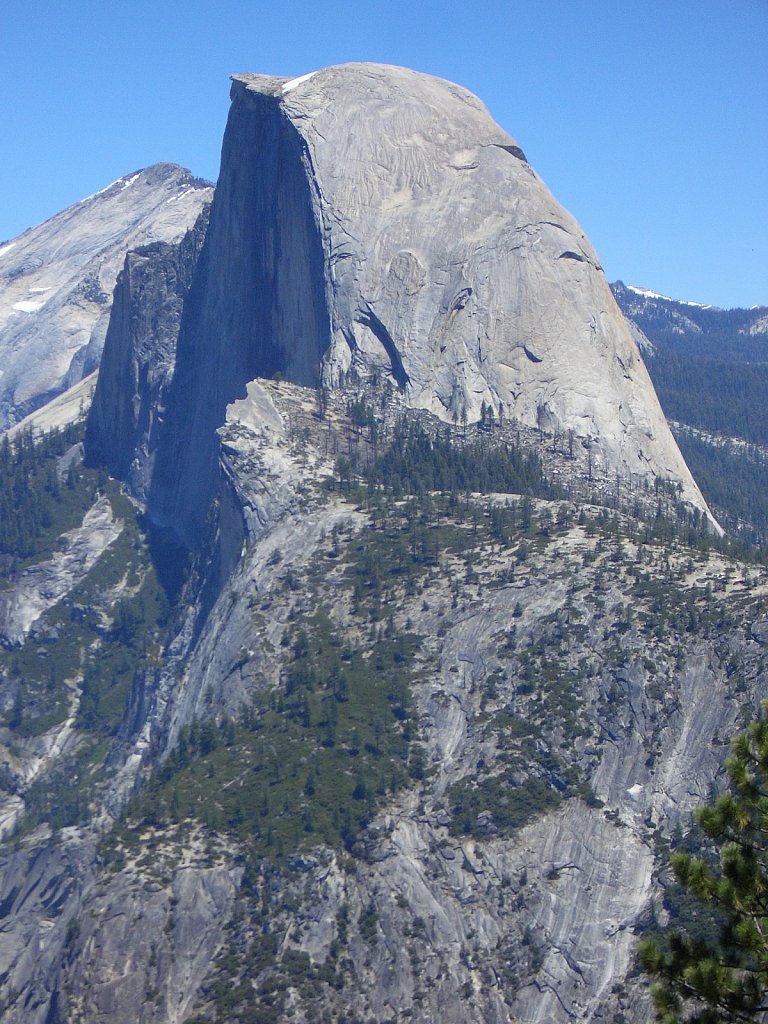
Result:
[
  {"x": 56, "y": 279},
  {"x": 648, "y": 293},
  {"x": 699, "y": 360},
  {"x": 710, "y": 370},
  {"x": 696, "y": 328}
]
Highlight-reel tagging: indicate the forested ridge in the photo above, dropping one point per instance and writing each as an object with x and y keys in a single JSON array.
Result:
[{"x": 710, "y": 370}]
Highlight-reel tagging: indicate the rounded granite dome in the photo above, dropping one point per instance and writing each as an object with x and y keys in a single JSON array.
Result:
[{"x": 371, "y": 216}]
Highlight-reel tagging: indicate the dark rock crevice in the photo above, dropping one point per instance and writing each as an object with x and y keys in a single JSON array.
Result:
[
  {"x": 369, "y": 319},
  {"x": 514, "y": 151}
]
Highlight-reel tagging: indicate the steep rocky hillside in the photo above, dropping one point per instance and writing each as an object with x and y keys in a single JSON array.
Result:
[{"x": 420, "y": 757}]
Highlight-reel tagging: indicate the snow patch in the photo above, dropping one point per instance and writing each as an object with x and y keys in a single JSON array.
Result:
[
  {"x": 181, "y": 195},
  {"x": 124, "y": 182},
  {"x": 101, "y": 192},
  {"x": 129, "y": 181},
  {"x": 6, "y": 248},
  {"x": 32, "y": 305},
  {"x": 28, "y": 307},
  {"x": 290, "y": 86},
  {"x": 648, "y": 294}
]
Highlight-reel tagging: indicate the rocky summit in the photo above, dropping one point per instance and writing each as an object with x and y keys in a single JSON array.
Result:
[{"x": 365, "y": 653}]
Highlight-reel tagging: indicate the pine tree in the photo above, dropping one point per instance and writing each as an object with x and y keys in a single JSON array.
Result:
[{"x": 726, "y": 979}]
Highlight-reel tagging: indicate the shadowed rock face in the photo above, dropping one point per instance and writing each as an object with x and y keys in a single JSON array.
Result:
[
  {"x": 368, "y": 216},
  {"x": 257, "y": 305},
  {"x": 56, "y": 280},
  {"x": 140, "y": 355}
]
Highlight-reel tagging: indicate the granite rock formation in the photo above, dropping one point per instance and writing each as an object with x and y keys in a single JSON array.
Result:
[
  {"x": 570, "y": 678},
  {"x": 372, "y": 219},
  {"x": 139, "y": 356}
]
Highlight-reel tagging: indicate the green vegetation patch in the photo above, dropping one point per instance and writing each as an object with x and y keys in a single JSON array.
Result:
[
  {"x": 416, "y": 461},
  {"x": 86, "y": 651},
  {"x": 734, "y": 480},
  {"x": 42, "y": 495},
  {"x": 406, "y": 544},
  {"x": 81, "y": 644},
  {"x": 308, "y": 762},
  {"x": 498, "y": 803}
]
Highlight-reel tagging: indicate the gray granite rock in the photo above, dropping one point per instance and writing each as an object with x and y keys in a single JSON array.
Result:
[
  {"x": 40, "y": 586},
  {"x": 373, "y": 218},
  {"x": 482, "y": 924},
  {"x": 139, "y": 356}
]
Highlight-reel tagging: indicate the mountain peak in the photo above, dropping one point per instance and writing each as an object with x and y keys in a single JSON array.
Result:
[
  {"x": 162, "y": 174},
  {"x": 647, "y": 293},
  {"x": 372, "y": 219}
]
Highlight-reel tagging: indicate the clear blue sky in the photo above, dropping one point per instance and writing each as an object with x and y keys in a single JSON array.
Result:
[{"x": 647, "y": 119}]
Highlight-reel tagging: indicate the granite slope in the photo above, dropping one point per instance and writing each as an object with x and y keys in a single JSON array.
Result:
[
  {"x": 466, "y": 920},
  {"x": 56, "y": 280}
]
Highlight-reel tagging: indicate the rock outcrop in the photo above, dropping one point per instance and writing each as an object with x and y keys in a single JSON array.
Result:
[
  {"x": 56, "y": 280},
  {"x": 372, "y": 219},
  {"x": 39, "y": 587}
]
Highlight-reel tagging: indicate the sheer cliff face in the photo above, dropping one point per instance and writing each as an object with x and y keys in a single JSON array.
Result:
[
  {"x": 370, "y": 216},
  {"x": 56, "y": 280},
  {"x": 256, "y": 307}
]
